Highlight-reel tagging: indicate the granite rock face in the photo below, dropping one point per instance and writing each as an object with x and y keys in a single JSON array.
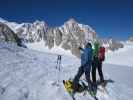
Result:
[{"x": 69, "y": 36}]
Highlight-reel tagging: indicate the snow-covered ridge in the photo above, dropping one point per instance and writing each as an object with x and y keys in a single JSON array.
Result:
[
  {"x": 66, "y": 38},
  {"x": 69, "y": 36},
  {"x": 6, "y": 34},
  {"x": 69, "y": 26}
]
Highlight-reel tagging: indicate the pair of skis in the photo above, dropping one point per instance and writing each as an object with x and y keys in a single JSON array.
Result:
[{"x": 93, "y": 96}]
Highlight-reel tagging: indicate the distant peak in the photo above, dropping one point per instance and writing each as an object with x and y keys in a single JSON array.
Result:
[
  {"x": 2, "y": 20},
  {"x": 40, "y": 22},
  {"x": 71, "y": 20}
]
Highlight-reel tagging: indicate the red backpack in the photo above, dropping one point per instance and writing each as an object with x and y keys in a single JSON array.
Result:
[{"x": 101, "y": 54}]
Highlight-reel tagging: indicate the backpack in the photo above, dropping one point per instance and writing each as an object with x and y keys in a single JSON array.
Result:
[
  {"x": 69, "y": 86},
  {"x": 96, "y": 49},
  {"x": 101, "y": 54}
]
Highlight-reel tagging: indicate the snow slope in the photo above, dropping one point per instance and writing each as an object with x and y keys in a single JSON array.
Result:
[
  {"x": 31, "y": 75},
  {"x": 40, "y": 46},
  {"x": 122, "y": 56}
]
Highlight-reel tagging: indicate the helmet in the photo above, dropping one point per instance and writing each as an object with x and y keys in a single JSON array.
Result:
[{"x": 89, "y": 45}]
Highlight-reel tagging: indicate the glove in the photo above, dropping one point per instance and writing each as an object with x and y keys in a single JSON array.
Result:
[{"x": 79, "y": 48}]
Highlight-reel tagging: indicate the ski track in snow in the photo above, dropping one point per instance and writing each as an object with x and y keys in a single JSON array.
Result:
[{"x": 31, "y": 75}]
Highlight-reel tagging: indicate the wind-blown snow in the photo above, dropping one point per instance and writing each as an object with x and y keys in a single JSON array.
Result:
[{"x": 31, "y": 75}]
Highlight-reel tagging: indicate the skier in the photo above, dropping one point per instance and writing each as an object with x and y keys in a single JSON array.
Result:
[
  {"x": 98, "y": 58},
  {"x": 101, "y": 57},
  {"x": 86, "y": 62}
]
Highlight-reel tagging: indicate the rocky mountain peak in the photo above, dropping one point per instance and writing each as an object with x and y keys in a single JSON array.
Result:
[
  {"x": 71, "y": 21},
  {"x": 69, "y": 36}
]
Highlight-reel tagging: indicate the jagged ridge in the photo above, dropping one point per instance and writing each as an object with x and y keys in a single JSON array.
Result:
[{"x": 68, "y": 36}]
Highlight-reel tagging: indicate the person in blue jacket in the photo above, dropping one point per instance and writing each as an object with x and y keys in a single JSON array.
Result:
[{"x": 86, "y": 62}]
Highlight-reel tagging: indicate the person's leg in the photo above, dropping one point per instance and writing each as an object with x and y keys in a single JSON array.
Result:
[
  {"x": 90, "y": 85},
  {"x": 100, "y": 71},
  {"x": 77, "y": 77},
  {"x": 93, "y": 72},
  {"x": 87, "y": 75}
]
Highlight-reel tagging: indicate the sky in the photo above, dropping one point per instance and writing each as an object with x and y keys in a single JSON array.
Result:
[{"x": 110, "y": 18}]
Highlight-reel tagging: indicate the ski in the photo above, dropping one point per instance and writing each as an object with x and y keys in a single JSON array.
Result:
[{"x": 92, "y": 94}]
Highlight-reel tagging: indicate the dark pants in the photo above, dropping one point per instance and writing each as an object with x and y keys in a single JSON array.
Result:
[
  {"x": 82, "y": 69},
  {"x": 96, "y": 64}
]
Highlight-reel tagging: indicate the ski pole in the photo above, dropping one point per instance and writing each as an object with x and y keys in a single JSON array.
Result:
[{"x": 58, "y": 67}]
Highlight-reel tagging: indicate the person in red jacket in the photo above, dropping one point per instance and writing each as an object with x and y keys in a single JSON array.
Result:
[{"x": 101, "y": 57}]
